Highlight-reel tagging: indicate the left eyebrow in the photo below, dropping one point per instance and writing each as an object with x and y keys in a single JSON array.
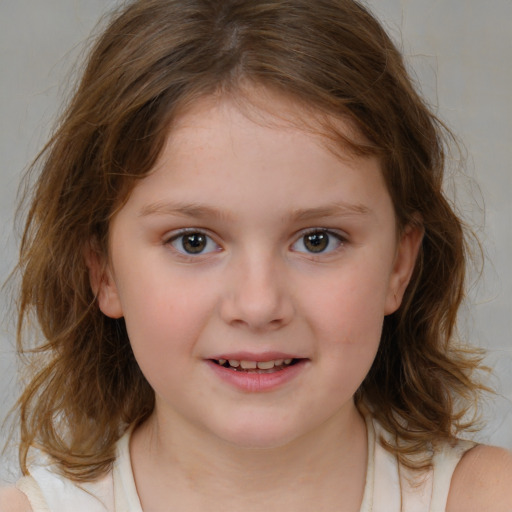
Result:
[{"x": 333, "y": 210}]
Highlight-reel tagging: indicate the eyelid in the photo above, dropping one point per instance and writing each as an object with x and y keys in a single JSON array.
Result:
[
  {"x": 175, "y": 235},
  {"x": 341, "y": 236}
]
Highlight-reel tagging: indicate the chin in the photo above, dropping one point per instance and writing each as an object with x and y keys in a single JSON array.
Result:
[{"x": 259, "y": 435}]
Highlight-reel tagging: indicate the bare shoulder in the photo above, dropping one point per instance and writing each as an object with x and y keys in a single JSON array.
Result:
[
  {"x": 13, "y": 500},
  {"x": 482, "y": 481}
]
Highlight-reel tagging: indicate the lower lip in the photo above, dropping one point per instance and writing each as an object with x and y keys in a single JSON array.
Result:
[{"x": 252, "y": 382}]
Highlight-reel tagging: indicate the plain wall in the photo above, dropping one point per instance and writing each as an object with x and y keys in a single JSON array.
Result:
[{"x": 460, "y": 52}]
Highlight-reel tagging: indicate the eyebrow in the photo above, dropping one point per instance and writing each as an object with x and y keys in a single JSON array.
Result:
[
  {"x": 195, "y": 210},
  {"x": 202, "y": 211},
  {"x": 338, "y": 209}
]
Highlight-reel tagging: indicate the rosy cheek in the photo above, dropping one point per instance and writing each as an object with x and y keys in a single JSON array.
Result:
[{"x": 348, "y": 310}]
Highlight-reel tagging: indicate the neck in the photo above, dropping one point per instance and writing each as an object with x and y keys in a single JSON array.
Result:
[{"x": 193, "y": 467}]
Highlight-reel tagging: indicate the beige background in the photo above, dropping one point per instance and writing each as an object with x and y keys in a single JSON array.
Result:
[{"x": 461, "y": 53}]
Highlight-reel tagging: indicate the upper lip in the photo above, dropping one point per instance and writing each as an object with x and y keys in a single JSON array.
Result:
[{"x": 258, "y": 357}]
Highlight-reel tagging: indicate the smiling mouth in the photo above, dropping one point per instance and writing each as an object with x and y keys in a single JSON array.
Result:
[{"x": 272, "y": 366}]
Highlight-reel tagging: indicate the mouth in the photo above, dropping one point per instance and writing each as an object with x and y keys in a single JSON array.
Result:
[
  {"x": 258, "y": 372},
  {"x": 259, "y": 367}
]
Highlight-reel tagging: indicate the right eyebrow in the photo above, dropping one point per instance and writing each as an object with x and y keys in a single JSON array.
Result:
[{"x": 194, "y": 210}]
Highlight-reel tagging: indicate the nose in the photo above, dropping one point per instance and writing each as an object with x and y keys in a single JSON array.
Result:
[{"x": 257, "y": 296}]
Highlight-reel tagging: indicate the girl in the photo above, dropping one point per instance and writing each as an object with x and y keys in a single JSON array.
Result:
[{"x": 247, "y": 277}]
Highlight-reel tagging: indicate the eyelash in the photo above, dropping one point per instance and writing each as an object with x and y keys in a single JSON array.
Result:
[
  {"x": 331, "y": 234},
  {"x": 175, "y": 238}
]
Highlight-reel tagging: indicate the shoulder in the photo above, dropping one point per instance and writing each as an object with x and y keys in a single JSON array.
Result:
[
  {"x": 482, "y": 481},
  {"x": 13, "y": 500}
]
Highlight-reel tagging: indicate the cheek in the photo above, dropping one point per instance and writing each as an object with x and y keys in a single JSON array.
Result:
[
  {"x": 165, "y": 315},
  {"x": 164, "y": 328},
  {"x": 346, "y": 314},
  {"x": 349, "y": 306}
]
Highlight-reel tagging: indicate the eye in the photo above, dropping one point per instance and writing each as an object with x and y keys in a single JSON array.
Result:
[
  {"x": 193, "y": 242},
  {"x": 318, "y": 241}
]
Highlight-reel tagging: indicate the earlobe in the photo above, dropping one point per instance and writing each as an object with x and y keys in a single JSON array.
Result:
[
  {"x": 102, "y": 283},
  {"x": 403, "y": 267}
]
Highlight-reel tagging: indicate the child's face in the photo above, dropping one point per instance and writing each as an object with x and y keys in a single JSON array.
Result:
[{"x": 253, "y": 242}]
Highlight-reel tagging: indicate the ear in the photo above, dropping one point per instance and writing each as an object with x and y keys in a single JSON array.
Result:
[
  {"x": 403, "y": 267},
  {"x": 102, "y": 282}
]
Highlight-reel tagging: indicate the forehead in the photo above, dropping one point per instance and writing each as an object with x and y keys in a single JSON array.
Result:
[
  {"x": 254, "y": 114},
  {"x": 262, "y": 156},
  {"x": 271, "y": 108}
]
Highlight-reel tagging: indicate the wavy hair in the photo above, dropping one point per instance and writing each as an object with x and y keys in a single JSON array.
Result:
[{"x": 154, "y": 59}]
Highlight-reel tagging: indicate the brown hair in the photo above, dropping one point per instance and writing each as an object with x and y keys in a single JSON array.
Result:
[{"x": 156, "y": 57}]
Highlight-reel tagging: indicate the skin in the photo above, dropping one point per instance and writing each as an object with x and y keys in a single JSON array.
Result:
[
  {"x": 242, "y": 180},
  {"x": 255, "y": 188},
  {"x": 12, "y": 500},
  {"x": 482, "y": 481}
]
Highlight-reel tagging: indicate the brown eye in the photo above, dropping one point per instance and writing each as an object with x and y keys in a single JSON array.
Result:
[
  {"x": 194, "y": 243},
  {"x": 317, "y": 241}
]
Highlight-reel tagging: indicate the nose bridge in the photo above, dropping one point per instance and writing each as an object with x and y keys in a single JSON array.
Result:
[{"x": 257, "y": 295}]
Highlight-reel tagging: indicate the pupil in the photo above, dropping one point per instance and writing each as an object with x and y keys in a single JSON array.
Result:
[
  {"x": 316, "y": 242},
  {"x": 194, "y": 243}
]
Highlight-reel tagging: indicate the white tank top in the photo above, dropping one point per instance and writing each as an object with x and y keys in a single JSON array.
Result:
[{"x": 389, "y": 486}]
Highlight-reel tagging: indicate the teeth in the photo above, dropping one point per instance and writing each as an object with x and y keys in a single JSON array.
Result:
[
  {"x": 252, "y": 365},
  {"x": 266, "y": 365},
  {"x": 248, "y": 365}
]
